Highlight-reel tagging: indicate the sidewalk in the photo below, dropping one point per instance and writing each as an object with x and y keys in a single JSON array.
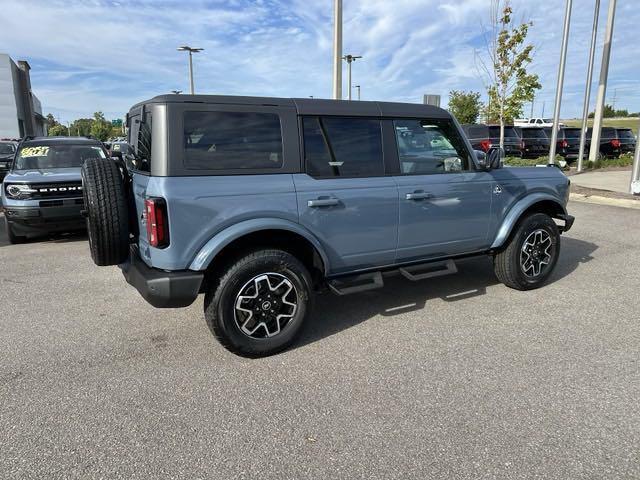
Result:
[
  {"x": 605, "y": 187},
  {"x": 613, "y": 181}
]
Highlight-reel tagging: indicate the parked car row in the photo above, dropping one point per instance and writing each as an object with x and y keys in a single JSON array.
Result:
[{"x": 532, "y": 142}]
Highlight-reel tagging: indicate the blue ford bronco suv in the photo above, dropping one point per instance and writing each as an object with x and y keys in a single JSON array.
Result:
[
  {"x": 259, "y": 202},
  {"x": 42, "y": 192}
]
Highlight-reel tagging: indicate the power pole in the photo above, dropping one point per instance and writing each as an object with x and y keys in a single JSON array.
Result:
[
  {"x": 350, "y": 59},
  {"x": 602, "y": 86},
  {"x": 337, "y": 50},
  {"x": 563, "y": 61},
  {"x": 587, "y": 90}
]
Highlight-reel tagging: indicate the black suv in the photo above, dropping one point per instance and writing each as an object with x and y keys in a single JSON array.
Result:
[
  {"x": 484, "y": 137},
  {"x": 568, "y": 145},
  {"x": 609, "y": 142},
  {"x": 627, "y": 140},
  {"x": 535, "y": 141}
]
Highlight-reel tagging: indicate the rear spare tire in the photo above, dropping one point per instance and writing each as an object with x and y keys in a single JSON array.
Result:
[{"x": 106, "y": 210}]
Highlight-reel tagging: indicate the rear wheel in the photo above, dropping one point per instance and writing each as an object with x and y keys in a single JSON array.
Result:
[
  {"x": 13, "y": 238},
  {"x": 107, "y": 214},
  {"x": 531, "y": 253},
  {"x": 258, "y": 304}
]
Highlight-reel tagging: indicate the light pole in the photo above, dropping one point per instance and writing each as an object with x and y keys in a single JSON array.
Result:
[
  {"x": 358, "y": 87},
  {"x": 587, "y": 90},
  {"x": 350, "y": 59},
  {"x": 602, "y": 86},
  {"x": 337, "y": 50},
  {"x": 634, "y": 186},
  {"x": 191, "y": 51},
  {"x": 563, "y": 61}
]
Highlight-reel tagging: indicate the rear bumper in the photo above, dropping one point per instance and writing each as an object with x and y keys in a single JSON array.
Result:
[{"x": 162, "y": 289}]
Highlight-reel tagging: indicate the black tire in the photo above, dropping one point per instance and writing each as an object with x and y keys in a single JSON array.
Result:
[
  {"x": 107, "y": 214},
  {"x": 223, "y": 292},
  {"x": 510, "y": 263},
  {"x": 13, "y": 238}
]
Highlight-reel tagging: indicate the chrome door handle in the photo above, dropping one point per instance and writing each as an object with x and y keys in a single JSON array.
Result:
[
  {"x": 323, "y": 202},
  {"x": 418, "y": 196}
]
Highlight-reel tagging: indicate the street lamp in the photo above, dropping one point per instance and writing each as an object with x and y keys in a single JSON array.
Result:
[
  {"x": 176, "y": 92},
  {"x": 191, "y": 51},
  {"x": 350, "y": 59}
]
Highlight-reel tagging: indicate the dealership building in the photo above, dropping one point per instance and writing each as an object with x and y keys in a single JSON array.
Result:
[{"x": 20, "y": 109}]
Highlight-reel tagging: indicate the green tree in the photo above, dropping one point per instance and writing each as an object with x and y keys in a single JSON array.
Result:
[
  {"x": 58, "y": 130},
  {"x": 509, "y": 85},
  {"x": 100, "y": 128},
  {"x": 81, "y": 127},
  {"x": 465, "y": 106}
]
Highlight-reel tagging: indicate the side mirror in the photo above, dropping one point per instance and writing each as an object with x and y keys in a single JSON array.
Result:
[
  {"x": 495, "y": 158},
  {"x": 481, "y": 159}
]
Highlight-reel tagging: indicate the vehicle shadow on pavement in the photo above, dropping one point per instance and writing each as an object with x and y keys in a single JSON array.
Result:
[
  {"x": 77, "y": 236},
  {"x": 333, "y": 313}
]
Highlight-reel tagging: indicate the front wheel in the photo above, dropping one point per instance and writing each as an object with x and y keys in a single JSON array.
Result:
[
  {"x": 531, "y": 253},
  {"x": 257, "y": 306}
]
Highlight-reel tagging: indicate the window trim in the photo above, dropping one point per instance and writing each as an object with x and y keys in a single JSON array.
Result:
[
  {"x": 303, "y": 145},
  {"x": 471, "y": 165}
]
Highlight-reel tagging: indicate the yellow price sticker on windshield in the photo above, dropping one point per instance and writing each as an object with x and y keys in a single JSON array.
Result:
[{"x": 34, "y": 152}]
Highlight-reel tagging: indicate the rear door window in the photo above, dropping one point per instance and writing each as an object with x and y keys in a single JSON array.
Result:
[
  {"x": 343, "y": 147},
  {"x": 509, "y": 132},
  {"x": 232, "y": 140},
  {"x": 533, "y": 133}
]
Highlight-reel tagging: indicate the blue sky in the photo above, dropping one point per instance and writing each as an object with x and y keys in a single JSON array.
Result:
[{"x": 107, "y": 55}]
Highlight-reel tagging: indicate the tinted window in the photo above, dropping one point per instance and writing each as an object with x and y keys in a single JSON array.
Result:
[
  {"x": 478, "y": 132},
  {"x": 232, "y": 140},
  {"x": 37, "y": 157},
  {"x": 343, "y": 147},
  {"x": 533, "y": 133},
  {"x": 509, "y": 132},
  {"x": 626, "y": 134},
  {"x": 7, "y": 149},
  {"x": 571, "y": 132},
  {"x": 430, "y": 146},
  {"x": 140, "y": 140},
  {"x": 608, "y": 133}
]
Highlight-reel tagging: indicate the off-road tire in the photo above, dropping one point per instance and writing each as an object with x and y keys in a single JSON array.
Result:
[
  {"x": 225, "y": 285},
  {"x": 106, "y": 211},
  {"x": 507, "y": 263},
  {"x": 13, "y": 238}
]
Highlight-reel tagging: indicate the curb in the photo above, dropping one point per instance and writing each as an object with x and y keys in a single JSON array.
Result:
[{"x": 597, "y": 199}]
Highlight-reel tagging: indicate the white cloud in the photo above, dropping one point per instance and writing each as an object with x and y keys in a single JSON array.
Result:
[{"x": 107, "y": 55}]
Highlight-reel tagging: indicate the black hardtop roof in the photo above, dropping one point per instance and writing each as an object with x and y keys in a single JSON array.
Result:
[
  {"x": 312, "y": 106},
  {"x": 61, "y": 141}
]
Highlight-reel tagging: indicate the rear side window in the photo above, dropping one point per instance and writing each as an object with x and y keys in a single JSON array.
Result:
[
  {"x": 343, "y": 147},
  {"x": 232, "y": 140},
  {"x": 626, "y": 134},
  {"x": 140, "y": 139}
]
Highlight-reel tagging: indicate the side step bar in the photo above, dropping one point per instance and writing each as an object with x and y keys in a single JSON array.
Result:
[
  {"x": 373, "y": 280},
  {"x": 428, "y": 270},
  {"x": 357, "y": 283}
]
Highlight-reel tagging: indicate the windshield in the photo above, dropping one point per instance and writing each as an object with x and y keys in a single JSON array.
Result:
[
  {"x": 55, "y": 156},
  {"x": 533, "y": 133},
  {"x": 625, "y": 134},
  {"x": 7, "y": 149}
]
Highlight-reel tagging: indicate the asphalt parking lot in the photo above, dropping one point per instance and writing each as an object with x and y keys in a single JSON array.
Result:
[{"x": 458, "y": 377}]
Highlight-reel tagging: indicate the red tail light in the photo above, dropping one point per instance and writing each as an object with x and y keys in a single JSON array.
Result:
[
  {"x": 485, "y": 145},
  {"x": 564, "y": 144},
  {"x": 615, "y": 143},
  {"x": 157, "y": 225}
]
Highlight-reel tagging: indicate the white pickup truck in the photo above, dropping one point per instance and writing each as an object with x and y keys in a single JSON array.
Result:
[{"x": 535, "y": 122}]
